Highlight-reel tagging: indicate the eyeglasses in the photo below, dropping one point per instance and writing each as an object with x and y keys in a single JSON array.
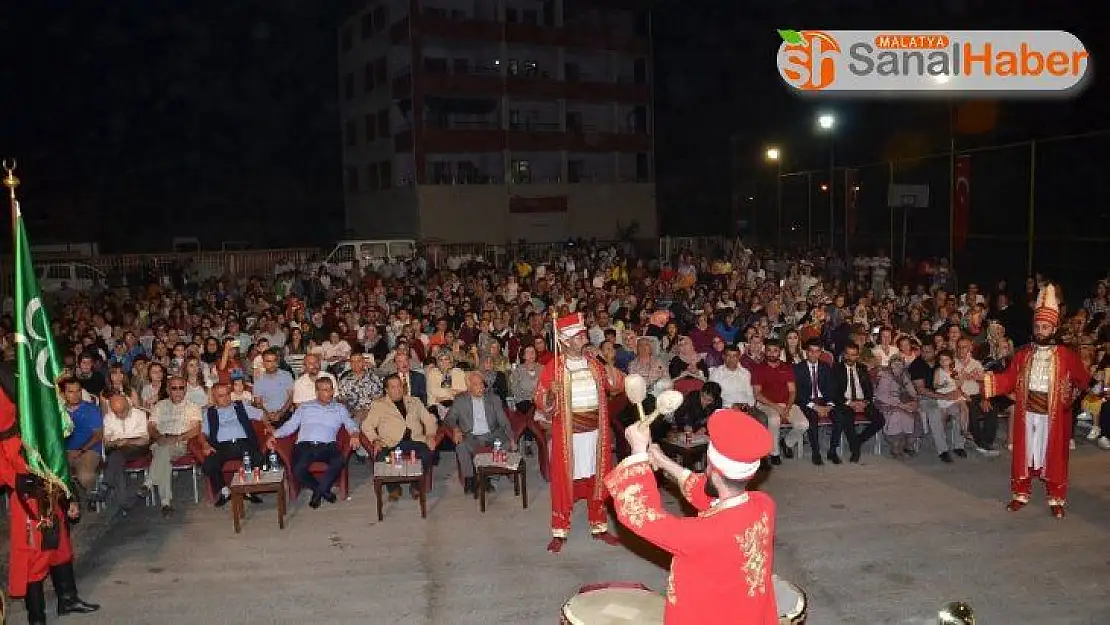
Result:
[{"x": 177, "y": 388}]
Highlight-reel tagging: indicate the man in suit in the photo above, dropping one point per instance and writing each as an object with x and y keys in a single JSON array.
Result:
[
  {"x": 400, "y": 421},
  {"x": 853, "y": 395},
  {"x": 813, "y": 380},
  {"x": 412, "y": 381},
  {"x": 476, "y": 419}
]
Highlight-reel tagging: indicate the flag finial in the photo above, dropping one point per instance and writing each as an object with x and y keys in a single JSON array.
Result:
[{"x": 10, "y": 181}]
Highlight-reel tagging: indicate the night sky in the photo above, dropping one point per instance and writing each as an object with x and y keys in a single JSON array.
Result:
[{"x": 135, "y": 122}]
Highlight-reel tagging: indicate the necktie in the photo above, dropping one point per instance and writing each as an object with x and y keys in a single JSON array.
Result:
[
  {"x": 813, "y": 380},
  {"x": 852, "y": 382}
]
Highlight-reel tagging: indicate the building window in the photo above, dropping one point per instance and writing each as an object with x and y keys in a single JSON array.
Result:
[
  {"x": 439, "y": 172},
  {"x": 643, "y": 168},
  {"x": 572, "y": 72},
  {"x": 373, "y": 182},
  {"x": 385, "y": 175},
  {"x": 435, "y": 66},
  {"x": 461, "y": 66},
  {"x": 574, "y": 121},
  {"x": 514, "y": 67},
  {"x": 350, "y": 134},
  {"x": 368, "y": 77},
  {"x": 352, "y": 180},
  {"x": 346, "y": 40},
  {"x": 380, "y": 19},
  {"x": 639, "y": 71},
  {"x": 511, "y": 15},
  {"x": 521, "y": 172},
  {"x": 381, "y": 71},
  {"x": 349, "y": 86},
  {"x": 367, "y": 25},
  {"x": 383, "y": 123},
  {"x": 576, "y": 170},
  {"x": 530, "y": 17},
  {"x": 371, "y": 127}
]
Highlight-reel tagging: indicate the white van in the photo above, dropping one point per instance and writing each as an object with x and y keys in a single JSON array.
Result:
[
  {"x": 367, "y": 254},
  {"x": 77, "y": 276}
]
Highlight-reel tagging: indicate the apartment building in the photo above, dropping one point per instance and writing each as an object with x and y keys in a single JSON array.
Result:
[{"x": 497, "y": 120}]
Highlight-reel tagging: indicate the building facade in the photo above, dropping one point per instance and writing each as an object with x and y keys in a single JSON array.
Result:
[{"x": 497, "y": 120}]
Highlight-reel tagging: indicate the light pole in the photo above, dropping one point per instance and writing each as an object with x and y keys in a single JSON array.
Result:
[
  {"x": 826, "y": 123},
  {"x": 774, "y": 155}
]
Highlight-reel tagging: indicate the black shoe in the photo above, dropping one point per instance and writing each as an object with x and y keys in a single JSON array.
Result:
[
  {"x": 786, "y": 451},
  {"x": 854, "y": 457},
  {"x": 314, "y": 502},
  {"x": 468, "y": 485},
  {"x": 817, "y": 459},
  {"x": 35, "y": 602},
  {"x": 960, "y": 452},
  {"x": 222, "y": 501},
  {"x": 775, "y": 460},
  {"x": 254, "y": 498},
  {"x": 946, "y": 457},
  {"x": 328, "y": 497},
  {"x": 834, "y": 457},
  {"x": 65, "y": 586}
]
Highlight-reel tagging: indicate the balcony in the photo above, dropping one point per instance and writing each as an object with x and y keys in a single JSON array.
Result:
[
  {"x": 471, "y": 139},
  {"x": 448, "y": 27}
]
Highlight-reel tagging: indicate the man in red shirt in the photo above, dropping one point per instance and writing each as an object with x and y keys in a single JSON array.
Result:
[
  {"x": 773, "y": 383},
  {"x": 724, "y": 557}
]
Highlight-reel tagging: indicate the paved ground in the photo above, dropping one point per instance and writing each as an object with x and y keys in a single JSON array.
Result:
[{"x": 883, "y": 542}]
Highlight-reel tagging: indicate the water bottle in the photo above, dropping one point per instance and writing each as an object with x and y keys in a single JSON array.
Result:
[
  {"x": 274, "y": 462},
  {"x": 247, "y": 462},
  {"x": 497, "y": 451}
]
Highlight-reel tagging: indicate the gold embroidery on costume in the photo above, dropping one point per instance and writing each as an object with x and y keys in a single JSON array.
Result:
[
  {"x": 633, "y": 503},
  {"x": 688, "y": 486},
  {"x": 753, "y": 543},
  {"x": 672, "y": 598}
]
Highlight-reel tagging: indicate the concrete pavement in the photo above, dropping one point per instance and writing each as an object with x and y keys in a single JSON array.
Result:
[{"x": 881, "y": 542}]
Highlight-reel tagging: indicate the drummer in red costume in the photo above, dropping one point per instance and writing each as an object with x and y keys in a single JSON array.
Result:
[
  {"x": 38, "y": 542},
  {"x": 722, "y": 558},
  {"x": 1044, "y": 378},
  {"x": 573, "y": 393}
]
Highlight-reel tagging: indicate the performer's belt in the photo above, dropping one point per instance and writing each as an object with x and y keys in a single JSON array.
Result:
[
  {"x": 585, "y": 421},
  {"x": 1036, "y": 401},
  {"x": 10, "y": 432}
]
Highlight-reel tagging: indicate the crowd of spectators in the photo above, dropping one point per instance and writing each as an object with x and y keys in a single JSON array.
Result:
[{"x": 801, "y": 340}]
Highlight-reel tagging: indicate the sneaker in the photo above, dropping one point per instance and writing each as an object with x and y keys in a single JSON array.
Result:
[
  {"x": 1104, "y": 443},
  {"x": 1084, "y": 416},
  {"x": 1095, "y": 433}
]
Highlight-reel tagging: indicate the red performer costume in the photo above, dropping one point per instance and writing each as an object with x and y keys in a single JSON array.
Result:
[
  {"x": 1044, "y": 378},
  {"x": 38, "y": 539},
  {"x": 573, "y": 393},
  {"x": 723, "y": 559}
]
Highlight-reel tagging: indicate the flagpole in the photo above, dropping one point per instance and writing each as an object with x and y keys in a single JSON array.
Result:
[{"x": 11, "y": 182}]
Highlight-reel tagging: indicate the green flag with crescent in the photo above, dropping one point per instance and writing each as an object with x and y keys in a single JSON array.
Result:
[{"x": 43, "y": 421}]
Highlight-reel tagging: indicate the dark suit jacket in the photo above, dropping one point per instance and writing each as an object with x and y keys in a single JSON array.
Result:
[
  {"x": 419, "y": 386},
  {"x": 840, "y": 383},
  {"x": 824, "y": 382}
]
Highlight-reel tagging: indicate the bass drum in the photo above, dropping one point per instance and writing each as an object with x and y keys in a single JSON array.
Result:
[
  {"x": 614, "y": 603},
  {"x": 792, "y": 602}
]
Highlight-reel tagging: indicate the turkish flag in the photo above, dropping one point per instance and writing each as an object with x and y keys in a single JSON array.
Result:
[{"x": 962, "y": 210}]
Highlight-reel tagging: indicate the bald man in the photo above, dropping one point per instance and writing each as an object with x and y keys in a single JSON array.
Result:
[{"x": 476, "y": 419}]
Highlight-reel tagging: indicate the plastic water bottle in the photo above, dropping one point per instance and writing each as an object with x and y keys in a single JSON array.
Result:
[
  {"x": 275, "y": 464},
  {"x": 247, "y": 462},
  {"x": 497, "y": 451}
]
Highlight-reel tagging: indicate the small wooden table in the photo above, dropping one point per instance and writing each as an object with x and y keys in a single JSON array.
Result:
[
  {"x": 485, "y": 467},
  {"x": 267, "y": 482},
  {"x": 405, "y": 473},
  {"x": 688, "y": 452}
]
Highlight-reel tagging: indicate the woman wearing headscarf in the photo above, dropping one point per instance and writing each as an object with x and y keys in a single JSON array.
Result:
[{"x": 897, "y": 400}]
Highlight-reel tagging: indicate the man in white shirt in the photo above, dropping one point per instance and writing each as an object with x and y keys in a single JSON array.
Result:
[
  {"x": 304, "y": 389},
  {"x": 172, "y": 424},
  {"x": 735, "y": 382},
  {"x": 982, "y": 417},
  {"x": 125, "y": 438}
]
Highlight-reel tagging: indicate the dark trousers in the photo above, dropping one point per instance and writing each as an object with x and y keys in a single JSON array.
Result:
[
  {"x": 115, "y": 476},
  {"x": 304, "y": 454},
  {"x": 983, "y": 425},
  {"x": 406, "y": 446},
  {"x": 213, "y": 465},
  {"x": 814, "y": 431},
  {"x": 847, "y": 419}
]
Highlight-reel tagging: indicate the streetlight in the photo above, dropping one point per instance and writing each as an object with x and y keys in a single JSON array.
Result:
[
  {"x": 774, "y": 155},
  {"x": 826, "y": 123}
]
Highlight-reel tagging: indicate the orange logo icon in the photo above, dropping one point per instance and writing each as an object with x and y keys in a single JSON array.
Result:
[{"x": 807, "y": 59}]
